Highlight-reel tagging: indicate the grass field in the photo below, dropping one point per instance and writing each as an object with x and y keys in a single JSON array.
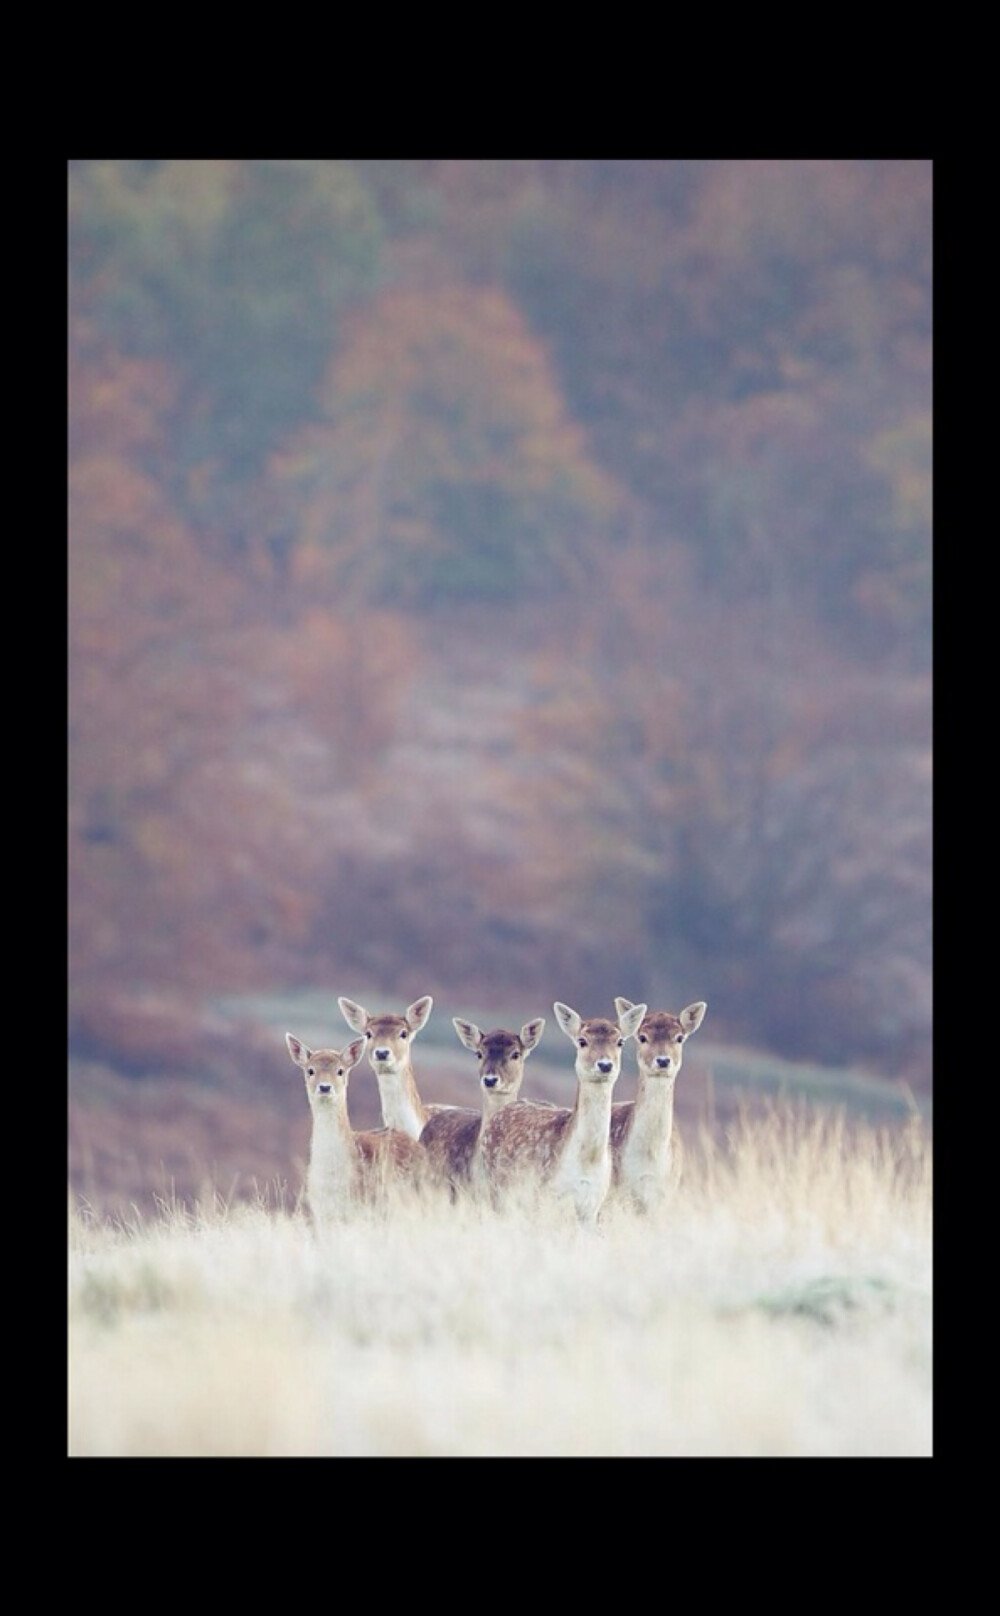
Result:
[{"x": 780, "y": 1307}]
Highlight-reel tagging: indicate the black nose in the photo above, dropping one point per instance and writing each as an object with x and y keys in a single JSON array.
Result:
[
  {"x": 381, "y": 1054},
  {"x": 490, "y": 1082},
  {"x": 663, "y": 1060},
  {"x": 323, "y": 1088},
  {"x": 605, "y": 1066}
]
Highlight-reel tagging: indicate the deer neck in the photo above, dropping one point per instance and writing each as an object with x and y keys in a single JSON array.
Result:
[
  {"x": 582, "y": 1174},
  {"x": 402, "y": 1106},
  {"x": 653, "y": 1111},
  {"x": 646, "y": 1154},
  {"x": 585, "y": 1148},
  {"x": 492, "y": 1104},
  {"x": 333, "y": 1157}
]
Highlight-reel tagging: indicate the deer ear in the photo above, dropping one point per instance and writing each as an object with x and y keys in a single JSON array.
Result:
[
  {"x": 568, "y": 1019},
  {"x": 353, "y": 1053},
  {"x": 632, "y": 1019},
  {"x": 353, "y": 1014},
  {"x": 531, "y": 1032},
  {"x": 621, "y": 1005},
  {"x": 298, "y": 1051},
  {"x": 468, "y": 1032},
  {"x": 418, "y": 1013},
  {"x": 692, "y": 1018}
]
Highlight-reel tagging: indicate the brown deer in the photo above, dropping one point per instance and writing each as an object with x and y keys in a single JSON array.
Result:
[
  {"x": 346, "y": 1167},
  {"x": 646, "y": 1148},
  {"x": 567, "y": 1151},
  {"x": 390, "y": 1040},
  {"x": 452, "y": 1137}
]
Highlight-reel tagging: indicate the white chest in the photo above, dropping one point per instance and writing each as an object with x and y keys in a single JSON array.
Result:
[
  {"x": 645, "y": 1166},
  {"x": 644, "y": 1155},
  {"x": 582, "y": 1178},
  {"x": 400, "y": 1106},
  {"x": 333, "y": 1168}
]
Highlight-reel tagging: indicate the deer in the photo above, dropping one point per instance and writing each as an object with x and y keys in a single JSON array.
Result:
[
  {"x": 646, "y": 1149},
  {"x": 390, "y": 1039},
  {"x": 347, "y": 1167},
  {"x": 566, "y": 1150},
  {"x": 453, "y": 1137}
]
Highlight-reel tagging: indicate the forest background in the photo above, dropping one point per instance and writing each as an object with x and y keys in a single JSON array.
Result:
[{"x": 507, "y": 580}]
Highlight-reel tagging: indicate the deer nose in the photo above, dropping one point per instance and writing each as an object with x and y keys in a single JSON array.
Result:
[
  {"x": 324, "y": 1088},
  {"x": 490, "y": 1082},
  {"x": 605, "y": 1066},
  {"x": 381, "y": 1054},
  {"x": 663, "y": 1060}
]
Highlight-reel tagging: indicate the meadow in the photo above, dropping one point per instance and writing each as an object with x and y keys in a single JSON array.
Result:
[{"x": 779, "y": 1307}]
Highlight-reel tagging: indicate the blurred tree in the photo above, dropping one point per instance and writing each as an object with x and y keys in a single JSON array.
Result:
[
  {"x": 893, "y": 584},
  {"x": 235, "y": 270},
  {"x": 740, "y": 823},
  {"x": 447, "y": 467},
  {"x": 141, "y": 595},
  {"x": 190, "y": 856},
  {"x": 686, "y": 302},
  {"x": 403, "y": 190},
  {"x": 686, "y": 405}
]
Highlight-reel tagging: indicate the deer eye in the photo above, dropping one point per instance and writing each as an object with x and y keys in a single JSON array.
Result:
[
  {"x": 515, "y": 1054},
  {"x": 479, "y": 1054},
  {"x": 582, "y": 1043},
  {"x": 310, "y": 1071},
  {"x": 681, "y": 1037},
  {"x": 621, "y": 1043},
  {"x": 340, "y": 1071},
  {"x": 403, "y": 1033},
  {"x": 367, "y": 1034},
  {"x": 643, "y": 1039}
]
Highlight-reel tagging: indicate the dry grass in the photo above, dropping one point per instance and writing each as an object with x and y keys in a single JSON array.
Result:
[{"x": 781, "y": 1307}]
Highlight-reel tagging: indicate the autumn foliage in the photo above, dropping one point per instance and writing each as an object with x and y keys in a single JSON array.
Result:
[{"x": 483, "y": 572}]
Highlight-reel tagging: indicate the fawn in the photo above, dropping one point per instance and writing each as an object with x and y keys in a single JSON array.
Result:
[
  {"x": 646, "y": 1147},
  {"x": 452, "y": 1138},
  {"x": 390, "y": 1039},
  {"x": 344, "y": 1166},
  {"x": 566, "y": 1150}
]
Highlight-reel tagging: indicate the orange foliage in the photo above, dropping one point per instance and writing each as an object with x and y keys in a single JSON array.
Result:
[
  {"x": 347, "y": 675},
  {"x": 440, "y": 395},
  {"x": 684, "y": 783}
]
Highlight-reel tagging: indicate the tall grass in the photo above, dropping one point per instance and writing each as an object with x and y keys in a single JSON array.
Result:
[{"x": 780, "y": 1307}]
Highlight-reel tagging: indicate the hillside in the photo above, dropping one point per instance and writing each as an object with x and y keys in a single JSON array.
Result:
[
  {"x": 171, "y": 1137},
  {"x": 504, "y": 580}
]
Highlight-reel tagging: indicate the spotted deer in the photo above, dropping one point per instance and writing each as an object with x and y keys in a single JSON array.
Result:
[
  {"x": 646, "y": 1148},
  {"x": 346, "y": 1167},
  {"x": 390, "y": 1039},
  {"x": 565, "y": 1150},
  {"x": 452, "y": 1138}
]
